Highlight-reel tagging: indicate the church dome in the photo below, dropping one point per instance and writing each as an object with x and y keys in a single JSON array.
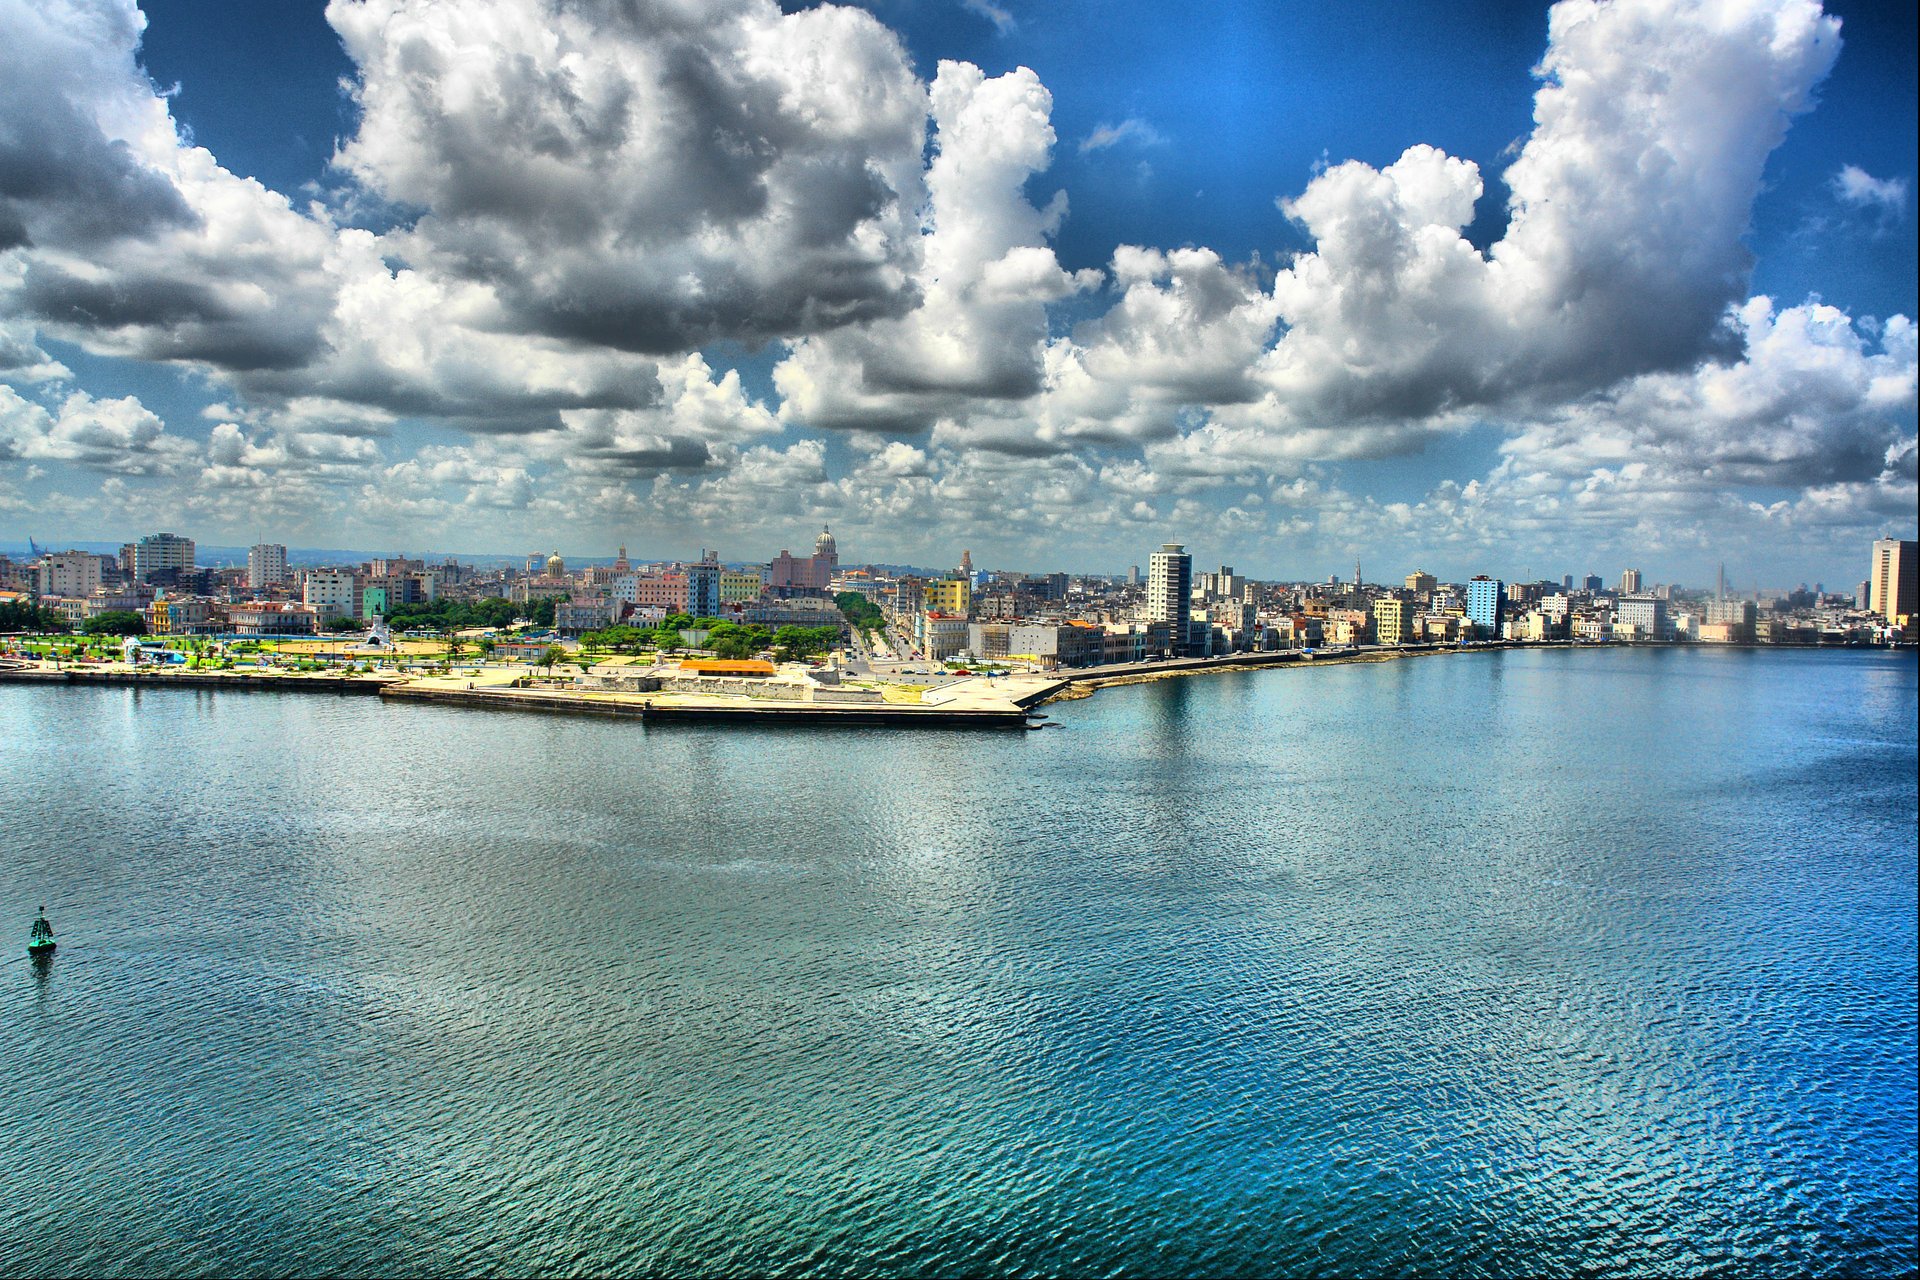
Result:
[
  {"x": 824, "y": 545},
  {"x": 556, "y": 567}
]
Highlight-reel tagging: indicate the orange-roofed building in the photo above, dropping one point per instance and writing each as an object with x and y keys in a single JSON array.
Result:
[{"x": 732, "y": 667}]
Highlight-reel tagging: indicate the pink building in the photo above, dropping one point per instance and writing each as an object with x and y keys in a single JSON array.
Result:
[
  {"x": 667, "y": 591},
  {"x": 815, "y": 573}
]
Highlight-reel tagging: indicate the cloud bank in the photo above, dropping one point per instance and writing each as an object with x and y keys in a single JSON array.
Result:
[{"x": 557, "y": 226}]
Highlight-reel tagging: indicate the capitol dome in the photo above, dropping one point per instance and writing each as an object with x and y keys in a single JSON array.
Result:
[
  {"x": 556, "y": 567},
  {"x": 823, "y": 545}
]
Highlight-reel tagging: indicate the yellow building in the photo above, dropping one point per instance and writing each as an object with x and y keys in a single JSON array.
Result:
[
  {"x": 1893, "y": 583},
  {"x": 952, "y": 596},
  {"x": 1392, "y": 623},
  {"x": 739, "y": 586},
  {"x": 1421, "y": 583}
]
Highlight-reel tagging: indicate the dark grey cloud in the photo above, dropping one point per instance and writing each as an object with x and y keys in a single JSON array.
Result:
[{"x": 637, "y": 179}]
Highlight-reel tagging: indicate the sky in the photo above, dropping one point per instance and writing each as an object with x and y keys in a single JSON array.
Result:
[{"x": 1481, "y": 287}]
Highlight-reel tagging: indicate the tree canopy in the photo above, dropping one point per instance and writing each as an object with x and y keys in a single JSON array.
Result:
[
  {"x": 24, "y": 615},
  {"x": 454, "y": 615},
  {"x": 861, "y": 613},
  {"x": 115, "y": 622}
]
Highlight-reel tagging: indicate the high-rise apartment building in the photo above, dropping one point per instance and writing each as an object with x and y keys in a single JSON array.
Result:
[
  {"x": 159, "y": 551},
  {"x": 1421, "y": 583},
  {"x": 1629, "y": 582},
  {"x": 69, "y": 573},
  {"x": 331, "y": 593},
  {"x": 703, "y": 588},
  {"x": 1893, "y": 582},
  {"x": 266, "y": 565},
  {"x": 1486, "y": 602},
  {"x": 1646, "y": 615},
  {"x": 1392, "y": 623},
  {"x": 1170, "y": 592}
]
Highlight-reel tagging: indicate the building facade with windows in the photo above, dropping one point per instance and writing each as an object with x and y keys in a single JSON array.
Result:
[
  {"x": 1170, "y": 593},
  {"x": 1486, "y": 605},
  {"x": 69, "y": 573},
  {"x": 266, "y": 565},
  {"x": 1893, "y": 581},
  {"x": 158, "y": 551}
]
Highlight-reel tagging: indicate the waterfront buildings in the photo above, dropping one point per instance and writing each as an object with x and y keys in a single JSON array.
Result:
[
  {"x": 1486, "y": 603},
  {"x": 1729, "y": 622},
  {"x": 1645, "y": 616},
  {"x": 1893, "y": 582},
  {"x": 1170, "y": 593},
  {"x": 1035, "y": 615},
  {"x": 266, "y": 565},
  {"x": 331, "y": 593},
  {"x": 943, "y": 635},
  {"x": 1392, "y": 618}
]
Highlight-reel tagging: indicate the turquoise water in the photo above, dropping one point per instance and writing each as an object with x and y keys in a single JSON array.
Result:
[{"x": 1596, "y": 962}]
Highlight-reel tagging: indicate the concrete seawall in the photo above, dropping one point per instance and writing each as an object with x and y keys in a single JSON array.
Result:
[
  {"x": 338, "y": 685},
  {"x": 1083, "y": 682},
  {"x": 810, "y": 715}
]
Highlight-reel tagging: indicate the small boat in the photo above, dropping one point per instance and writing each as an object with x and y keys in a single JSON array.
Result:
[{"x": 40, "y": 940}]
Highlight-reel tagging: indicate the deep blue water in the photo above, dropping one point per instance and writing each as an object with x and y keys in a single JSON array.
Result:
[{"x": 1592, "y": 962}]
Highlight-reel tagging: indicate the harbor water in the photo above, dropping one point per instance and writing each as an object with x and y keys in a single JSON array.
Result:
[{"x": 1594, "y": 962}]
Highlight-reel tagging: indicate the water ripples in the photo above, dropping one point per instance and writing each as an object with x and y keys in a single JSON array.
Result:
[{"x": 1219, "y": 978}]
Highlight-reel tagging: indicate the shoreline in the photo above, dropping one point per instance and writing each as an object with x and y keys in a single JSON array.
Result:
[{"x": 968, "y": 704}]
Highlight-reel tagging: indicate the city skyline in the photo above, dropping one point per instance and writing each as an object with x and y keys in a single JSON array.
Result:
[
  {"x": 220, "y": 554},
  {"x": 1651, "y": 309}
]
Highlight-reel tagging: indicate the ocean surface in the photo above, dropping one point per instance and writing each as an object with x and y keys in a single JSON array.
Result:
[{"x": 1591, "y": 962}]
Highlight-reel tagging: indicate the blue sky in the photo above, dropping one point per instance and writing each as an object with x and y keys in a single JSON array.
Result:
[{"x": 572, "y": 282}]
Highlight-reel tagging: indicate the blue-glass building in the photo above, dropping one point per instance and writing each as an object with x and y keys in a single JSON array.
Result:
[{"x": 1486, "y": 598}]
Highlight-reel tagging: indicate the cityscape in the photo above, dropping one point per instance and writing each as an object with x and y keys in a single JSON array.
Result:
[
  {"x": 1046, "y": 620},
  {"x": 969, "y": 638}
]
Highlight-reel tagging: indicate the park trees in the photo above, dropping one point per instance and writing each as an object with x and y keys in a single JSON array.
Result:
[
  {"x": 24, "y": 615},
  {"x": 791, "y": 643},
  {"x": 115, "y": 622},
  {"x": 861, "y": 613}
]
